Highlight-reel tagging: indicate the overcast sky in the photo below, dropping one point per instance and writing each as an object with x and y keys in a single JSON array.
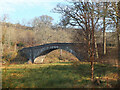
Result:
[{"x": 19, "y": 10}]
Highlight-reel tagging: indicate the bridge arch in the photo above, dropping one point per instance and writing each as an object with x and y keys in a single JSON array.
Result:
[{"x": 33, "y": 52}]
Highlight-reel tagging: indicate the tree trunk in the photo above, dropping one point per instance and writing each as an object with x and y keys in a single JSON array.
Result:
[
  {"x": 92, "y": 70},
  {"x": 15, "y": 47},
  {"x": 104, "y": 37},
  {"x": 61, "y": 53},
  {"x": 93, "y": 48},
  {"x": 1, "y": 47},
  {"x": 118, "y": 42},
  {"x": 104, "y": 31},
  {"x": 96, "y": 49},
  {"x": 118, "y": 30},
  {"x": 92, "y": 56}
]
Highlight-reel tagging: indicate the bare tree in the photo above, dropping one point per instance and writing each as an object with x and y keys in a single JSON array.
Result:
[
  {"x": 85, "y": 16},
  {"x": 114, "y": 15},
  {"x": 105, "y": 22},
  {"x": 1, "y": 47},
  {"x": 118, "y": 32},
  {"x": 4, "y": 27},
  {"x": 42, "y": 21},
  {"x": 104, "y": 26}
]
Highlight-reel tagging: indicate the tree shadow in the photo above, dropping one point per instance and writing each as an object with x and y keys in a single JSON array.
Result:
[{"x": 103, "y": 69}]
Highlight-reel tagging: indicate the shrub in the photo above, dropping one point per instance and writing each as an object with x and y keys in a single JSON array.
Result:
[
  {"x": 20, "y": 44},
  {"x": 6, "y": 56}
]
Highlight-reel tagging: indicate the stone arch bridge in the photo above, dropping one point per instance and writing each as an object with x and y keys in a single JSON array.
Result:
[{"x": 31, "y": 53}]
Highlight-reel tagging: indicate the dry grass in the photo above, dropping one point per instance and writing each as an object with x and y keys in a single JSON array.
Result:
[{"x": 57, "y": 75}]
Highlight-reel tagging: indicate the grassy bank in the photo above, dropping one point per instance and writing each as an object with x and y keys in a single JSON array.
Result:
[{"x": 57, "y": 75}]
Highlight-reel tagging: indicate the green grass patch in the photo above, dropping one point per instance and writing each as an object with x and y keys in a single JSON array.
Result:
[{"x": 54, "y": 75}]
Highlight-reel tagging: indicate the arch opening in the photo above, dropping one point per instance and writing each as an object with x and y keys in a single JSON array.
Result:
[{"x": 55, "y": 56}]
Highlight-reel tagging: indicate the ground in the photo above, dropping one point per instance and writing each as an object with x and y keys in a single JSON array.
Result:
[{"x": 58, "y": 75}]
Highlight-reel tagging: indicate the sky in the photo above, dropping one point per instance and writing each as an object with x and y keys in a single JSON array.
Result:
[{"x": 24, "y": 10}]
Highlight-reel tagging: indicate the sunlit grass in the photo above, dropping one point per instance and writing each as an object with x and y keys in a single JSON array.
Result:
[{"x": 57, "y": 75}]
